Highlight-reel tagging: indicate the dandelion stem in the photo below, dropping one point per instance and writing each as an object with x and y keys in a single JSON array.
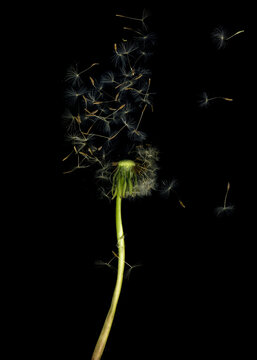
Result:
[{"x": 100, "y": 345}]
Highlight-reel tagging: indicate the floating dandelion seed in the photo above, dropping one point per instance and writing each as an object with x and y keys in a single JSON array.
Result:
[
  {"x": 74, "y": 76},
  {"x": 168, "y": 187},
  {"x": 225, "y": 209},
  {"x": 101, "y": 263},
  {"x": 72, "y": 95},
  {"x": 127, "y": 273},
  {"x": 220, "y": 37},
  {"x": 131, "y": 267},
  {"x": 205, "y": 100}
]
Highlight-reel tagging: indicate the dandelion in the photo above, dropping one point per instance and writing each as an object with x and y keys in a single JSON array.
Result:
[
  {"x": 128, "y": 179},
  {"x": 137, "y": 176},
  {"x": 220, "y": 37},
  {"x": 205, "y": 100},
  {"x": 225, "y": 209},
  {"x": 110, "y": 109}
]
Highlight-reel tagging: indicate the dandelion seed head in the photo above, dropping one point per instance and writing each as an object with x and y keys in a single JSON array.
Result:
[{"x": 134, "y": 177}]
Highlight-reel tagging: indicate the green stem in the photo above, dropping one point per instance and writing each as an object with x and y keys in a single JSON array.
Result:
[{"x": 100, "y": 345}]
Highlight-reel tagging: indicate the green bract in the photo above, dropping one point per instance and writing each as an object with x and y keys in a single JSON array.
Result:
[{"x": 124, "y": 179}]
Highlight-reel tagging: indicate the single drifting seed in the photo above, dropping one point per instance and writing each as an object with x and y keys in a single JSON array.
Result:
[
  {"x": 101, "y": 263},
  {"x": 220, "y": 37},
  {"x": 169, "y": 187},
  {"x": 131, "y": 267},
  {"x": 74, "y": 76},
  {"x": 117, "y": 256},
  {"x": 206, "y": 100},
  {"x": 225, "y": 209}
]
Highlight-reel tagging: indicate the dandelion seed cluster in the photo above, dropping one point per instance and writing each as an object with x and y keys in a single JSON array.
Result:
[
  {"x": 104, "y": 112},
  {"x": 130, "y": 178}
]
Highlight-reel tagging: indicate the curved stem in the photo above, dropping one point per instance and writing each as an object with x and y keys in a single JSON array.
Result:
[{"x": 100, "y": 345}]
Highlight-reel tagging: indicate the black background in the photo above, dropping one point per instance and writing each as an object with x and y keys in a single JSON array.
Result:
[{"x": 194, "y": 293}]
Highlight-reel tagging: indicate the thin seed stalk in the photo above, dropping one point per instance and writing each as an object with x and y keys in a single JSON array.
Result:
[{"x": 100, "y": 345}]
